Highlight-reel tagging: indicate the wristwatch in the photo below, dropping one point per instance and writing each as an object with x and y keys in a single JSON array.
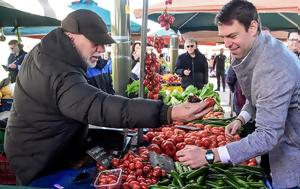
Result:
[{"x": 210, "y": 156}]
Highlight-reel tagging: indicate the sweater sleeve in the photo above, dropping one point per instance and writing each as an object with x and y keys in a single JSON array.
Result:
[
  {"x": 178, "y": 67},
  {"x": 271, "y": 112}
]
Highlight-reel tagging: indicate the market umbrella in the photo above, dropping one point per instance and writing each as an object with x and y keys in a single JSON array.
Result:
[
  {"x": 194, "y": 15},
  {"x": 15, "y": 18},
  {"x": 213, "y": 6},
  {"x": 103, "y": 13},
  {"x": 187, "y": 22}
]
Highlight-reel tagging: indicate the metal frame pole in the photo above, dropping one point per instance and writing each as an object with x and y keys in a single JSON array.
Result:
[{"x": 143, "y": 56}]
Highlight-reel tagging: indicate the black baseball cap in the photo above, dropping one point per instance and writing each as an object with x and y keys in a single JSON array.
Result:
[{"x": 89, "y": 24}]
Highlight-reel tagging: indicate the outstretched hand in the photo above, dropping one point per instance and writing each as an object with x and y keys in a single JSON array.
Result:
[{"x": 189, "y": 111}]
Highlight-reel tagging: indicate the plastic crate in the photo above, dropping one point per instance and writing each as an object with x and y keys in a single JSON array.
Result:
[
  {"x": 7, "y": 176},
  {"x": 117, "y": 185},
  {"x": 6, "y": 104}
]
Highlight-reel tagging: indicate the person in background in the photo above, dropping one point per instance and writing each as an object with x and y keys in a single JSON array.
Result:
[
  {"x": 211, "y": 63},
  {"x": 54, "y": 104},
  {"x": 219, "y": 66},
  {"x": 192, "y": 66},
  {"x": 136, "y": 58},
  {"x": 163, "y": 69},
  {"x": 268, "y": 73},
  {"x": 293, "y": 42},
  {"x": 100, "y": 75},
  {"x": 15, "y": 59}
]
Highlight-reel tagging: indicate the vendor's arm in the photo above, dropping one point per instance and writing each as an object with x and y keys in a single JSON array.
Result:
[{"x": 80, "y": 101}]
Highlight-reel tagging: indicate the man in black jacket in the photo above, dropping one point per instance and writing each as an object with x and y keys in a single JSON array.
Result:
[
  {"x": 54, "y": 103},
  {"x": 219, "y": 65},
  {"x": 192, "y": 66}
]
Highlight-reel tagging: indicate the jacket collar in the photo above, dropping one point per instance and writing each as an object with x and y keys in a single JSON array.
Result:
[
  {"x": 58, "y": 46},
  {"x": 244, "y": 68}
]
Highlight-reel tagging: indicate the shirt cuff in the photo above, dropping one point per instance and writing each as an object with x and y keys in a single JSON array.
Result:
[
  {"x": 245, "y": 115},
  {"x": 223, "y": 154}
]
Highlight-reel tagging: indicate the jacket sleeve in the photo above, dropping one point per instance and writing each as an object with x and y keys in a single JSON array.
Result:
[
  {"x": 215, "y": 61},
  {"x": 80, "y": 101},
  {"x": 231, "y": 78},
  {"x": 205, "y": 70},
  {"x": 271, "y": 112},
  {"x": 178, "y": 67}
]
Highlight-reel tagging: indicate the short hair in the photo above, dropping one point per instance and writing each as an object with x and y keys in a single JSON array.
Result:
[
  {"x": 296, "y": 31},
  {"x": 16, "y": 42},
  {"x": 265, "y": 28},
  {"x": 133, "y": 47},
  {"x": 240, "y": 10},
  {"x": 190, "y": 40},
  {"x": 13, "y": 42}
]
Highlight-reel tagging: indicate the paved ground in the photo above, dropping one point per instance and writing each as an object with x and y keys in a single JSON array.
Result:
[{"x": 225, "y": 97}]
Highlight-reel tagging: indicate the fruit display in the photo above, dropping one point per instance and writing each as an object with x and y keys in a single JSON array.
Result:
[
  {"x": 171, "y": 79},
  {"x": 157, "y": 43},
  {"x": 5, "y": 92},
  {"x": 137, "y": 171},
  {"x": 152, "y": 79}
]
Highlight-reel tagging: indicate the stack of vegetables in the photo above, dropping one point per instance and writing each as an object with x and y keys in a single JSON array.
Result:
[
  {"x": 175, "y": 97},
  {"x": 220, "y": 176}
]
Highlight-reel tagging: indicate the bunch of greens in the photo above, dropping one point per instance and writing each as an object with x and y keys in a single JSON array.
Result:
[{"x": 175, "y": 97}]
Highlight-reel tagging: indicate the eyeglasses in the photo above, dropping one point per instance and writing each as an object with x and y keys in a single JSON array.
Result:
[
  {"x": 294, "y": 40},
  {"x": 188, "y": 46}
]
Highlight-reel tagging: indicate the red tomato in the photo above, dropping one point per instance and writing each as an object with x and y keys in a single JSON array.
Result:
[
  {"x": 145, "y": 138},
  {"x": 150, "y": 135},
  {"x": 178, "y": 138},
  {"x": 180, "y": 146},
  {"x": 221, "y": 138},
  {"x": 189, "y": 141},
  {"x": 199, "y": 125},
  {"x": 139, "y": 165},
  {"x": 169, "y": 134},
  {"x": 205, "y": 142},
  {"x": 115, "y": 162},
  {"x": 131, "y": 166},
  {"x": 198, "y": 143},
  {"x": 157, "y": 140},
  {"x": 210, "y": 102},
  {"x": 179, "y": 131},
  {"x": 154, "y": 148}
]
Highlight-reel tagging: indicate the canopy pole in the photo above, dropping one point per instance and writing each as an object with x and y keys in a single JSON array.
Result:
[
  {"x": 289, "y": 20},
  {"x": 143, "y": 56}
]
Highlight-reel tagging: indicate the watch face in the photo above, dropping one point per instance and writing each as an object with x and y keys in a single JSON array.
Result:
[{"x": 210, "y": 156}]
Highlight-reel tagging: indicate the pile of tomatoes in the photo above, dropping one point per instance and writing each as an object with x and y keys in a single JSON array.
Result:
[
  {"x": 107, "y": 178},
  {"x": 169, "y": 139},
  {"x": 137, "y": 171}
]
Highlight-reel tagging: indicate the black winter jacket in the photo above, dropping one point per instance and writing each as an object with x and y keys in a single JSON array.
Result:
[
  {"x": 198, "y": 66},
  {"x": 54, "y": 105}
]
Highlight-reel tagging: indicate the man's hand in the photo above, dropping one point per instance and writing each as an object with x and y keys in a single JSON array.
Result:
[
  {"x": 189, "y": 111},
  {"x": 192, "y": 156},
  {"x": 186, "y": 72},
  {"x": 13, "y": 66},
  {"x": 232, "y": 128}
]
